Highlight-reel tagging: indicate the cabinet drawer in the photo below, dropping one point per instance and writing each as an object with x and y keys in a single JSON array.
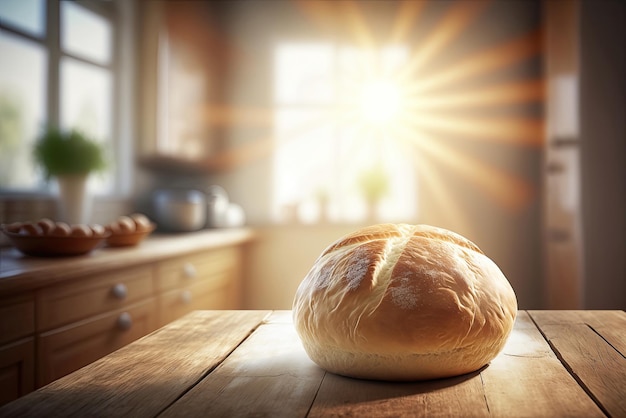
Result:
[
  {"x": 17, "y": 369},
  {"x": 66, "y": 349},
  {"x": 79, "y": 299},
  {"x": 210, "y": 265},
  {"x": 204, "y": 294},
  {"x": 17, "y": 318}
]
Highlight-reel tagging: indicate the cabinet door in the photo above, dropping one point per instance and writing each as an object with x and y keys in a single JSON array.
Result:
[
  {"x": 17, "y": 369},
  {"x": 63, "y": 350},
  {"x": 17, "y": 318}
]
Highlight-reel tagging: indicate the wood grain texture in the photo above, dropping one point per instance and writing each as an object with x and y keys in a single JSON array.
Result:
[
  {"x": 527, "y": 379},
  {"x": 144, "y": 378},
  {"x": 577, "y": 339},
  {"x": 458, "y": 396},
  {"x": 611, "y": 325},
  {"x": 269, "y": 375}
]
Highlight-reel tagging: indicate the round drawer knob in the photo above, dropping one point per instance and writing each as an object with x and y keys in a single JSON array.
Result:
[
  {"x": 189, "y": 270},
  {"x": 185, "y": 297},
  {"x": 120, "y": 291},
  {"x": 124, "y": 321}
]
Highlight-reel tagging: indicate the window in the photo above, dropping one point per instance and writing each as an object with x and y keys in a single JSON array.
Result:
[
  {"x": 59, "y": 66},
  {"x": 335, "y": 157}
]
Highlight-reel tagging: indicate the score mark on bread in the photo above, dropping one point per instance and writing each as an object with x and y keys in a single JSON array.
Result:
[{"x": 403, "y": 302}]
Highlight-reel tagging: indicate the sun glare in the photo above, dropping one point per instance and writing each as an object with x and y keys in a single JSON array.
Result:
[
  {"x": 380, "y": 101},
  {"x": 416, "y": 96}
]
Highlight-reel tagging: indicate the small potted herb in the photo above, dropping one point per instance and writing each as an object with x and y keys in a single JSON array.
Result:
[
  {"x": 61, "y": 153},
  {"x": 373, "y": 184},
  {"x": 70, "y": 156}
]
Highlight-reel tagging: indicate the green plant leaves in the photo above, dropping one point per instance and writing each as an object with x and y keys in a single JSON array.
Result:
[{"x": 61, "y": 152}]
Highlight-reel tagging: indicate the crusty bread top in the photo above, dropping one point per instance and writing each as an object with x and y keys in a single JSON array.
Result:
[{"x": 393, "y": 289}]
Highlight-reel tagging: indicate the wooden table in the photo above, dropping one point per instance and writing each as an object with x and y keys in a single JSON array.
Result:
[{"x": 251, "y": 363}]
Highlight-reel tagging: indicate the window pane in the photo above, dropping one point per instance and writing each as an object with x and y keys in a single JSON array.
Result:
[
  {"x": 86, "y": 94},
  {"x": 26, "y": 15},
  {"x": 22, "y": 109},
  {"x": 85, "y": 33},
  {"x": 303, "y": 162},
  {"x": 327, "y": 151},
  {"x": 304, "y": 73},
  {"x": 374, "y": 154}
]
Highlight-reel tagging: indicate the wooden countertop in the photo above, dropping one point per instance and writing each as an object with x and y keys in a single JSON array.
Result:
[
  {"x": 19, "y": 272},
  {"x": 251, "y": 363}
]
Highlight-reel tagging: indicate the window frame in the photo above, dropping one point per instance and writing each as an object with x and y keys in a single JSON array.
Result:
[{"x": 51, "y": 42}]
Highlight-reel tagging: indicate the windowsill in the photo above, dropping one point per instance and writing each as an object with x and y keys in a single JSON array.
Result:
[{"x": 32, "y": 206}]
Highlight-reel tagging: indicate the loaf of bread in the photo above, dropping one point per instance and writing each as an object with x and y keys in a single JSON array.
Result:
[{"x": 403, "y": 302}]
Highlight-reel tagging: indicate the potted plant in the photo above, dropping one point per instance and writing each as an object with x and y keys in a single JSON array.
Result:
[
  {"x": 70, "y": 156},
  {"x": 374, "y": 185}
]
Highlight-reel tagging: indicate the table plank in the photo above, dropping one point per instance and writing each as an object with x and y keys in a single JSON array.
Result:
[
  {"x": 611, "y": 325},
  {"x": 268, "y": 375},
  {"x": 346, "y": 397},
  {"x": 251, "y": 363},
  {"x": 584, "y": 350},
  {"x": 527, "y": 379},
  {"x": 146, "y": 376}
]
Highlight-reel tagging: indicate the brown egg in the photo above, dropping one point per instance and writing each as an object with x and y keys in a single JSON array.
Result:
[
  {"x": 81, "y": 230},
  {"x": 114, "y": 228},
  {"x": 126, "y": 224},
  {"x": 46, "y": 225},
  {"x": 13, "y": 227},
  {"x": 61, "y": 229},
  {"x": 30, "y": 229},
  {"x": 142, "y": 223},
  {"x": 98, "y": 230}
]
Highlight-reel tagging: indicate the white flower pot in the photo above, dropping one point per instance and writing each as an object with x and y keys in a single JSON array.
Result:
[{"x": 74, "y": 199}]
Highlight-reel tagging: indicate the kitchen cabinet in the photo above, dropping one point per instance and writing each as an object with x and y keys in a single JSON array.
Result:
[
  {"x": 88, "y": 296},
  {"x": 186, "y": 71},
  {"x": 58, "y": 316},
  {"x": 89, "y": 317},
  {"x": 65, "y": 349},
  {"x": 196, "y": 281},
  {"x": 17, "y": 347}
]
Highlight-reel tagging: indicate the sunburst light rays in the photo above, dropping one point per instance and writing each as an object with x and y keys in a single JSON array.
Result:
[
  {"x": 490, "y": 96},
  {"x": 440, "y": 194},
  {"x": 524, "y": 131},
  {"x": 406, "y": 17},
  {"x": 508, "y": 190},
  {"x": 480, "y": 97},
  {"x": 458, "y": 17},
  {"x": 501, "y": 56}
]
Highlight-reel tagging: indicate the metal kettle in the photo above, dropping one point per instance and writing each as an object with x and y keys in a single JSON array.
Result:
[
  {"x": 179, "y": 210},
  {"x": 217, "y": 204}
]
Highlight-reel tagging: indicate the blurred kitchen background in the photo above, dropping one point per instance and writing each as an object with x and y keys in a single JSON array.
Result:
[{"x": 501, "y": 120}]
